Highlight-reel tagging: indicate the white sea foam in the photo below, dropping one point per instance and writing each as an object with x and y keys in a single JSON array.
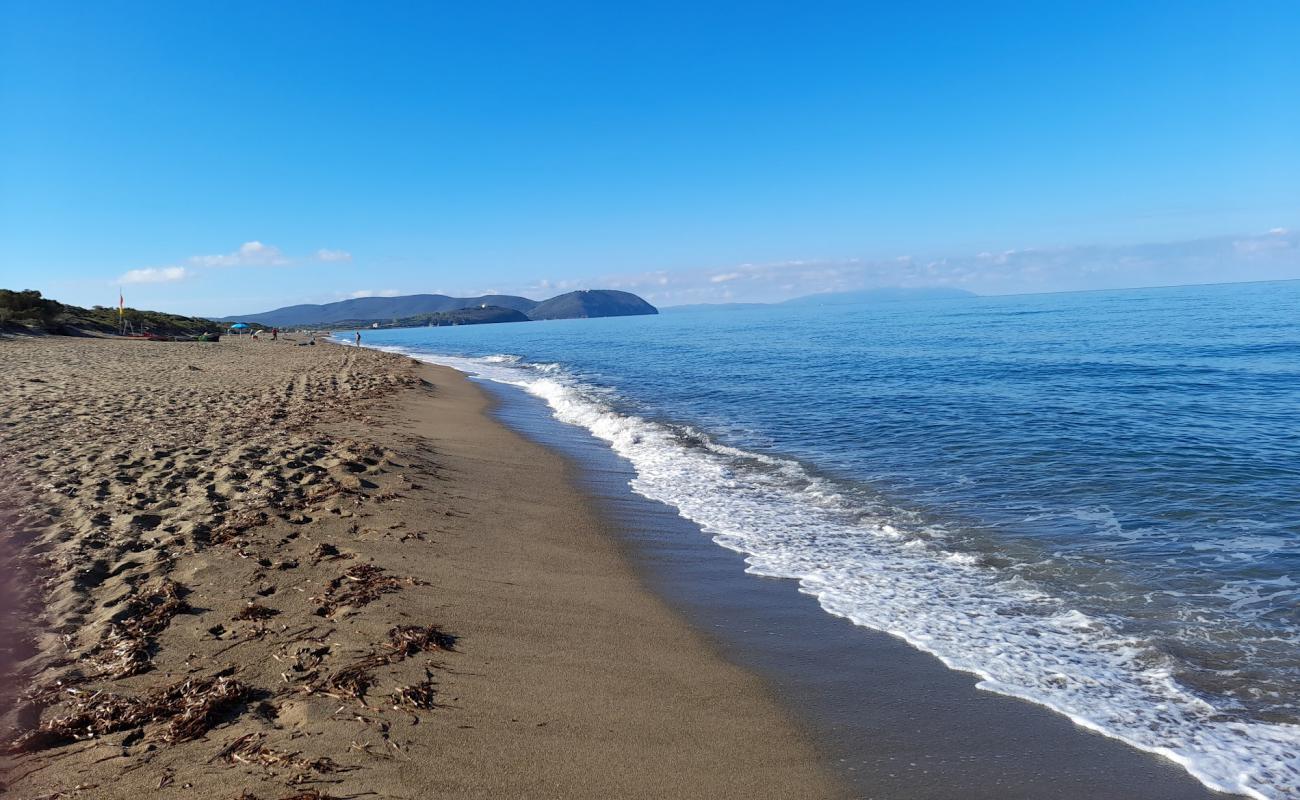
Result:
[{"x": 885, "y": 571}]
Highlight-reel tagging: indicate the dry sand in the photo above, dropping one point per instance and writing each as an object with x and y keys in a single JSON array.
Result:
[{"x": 261, "y": 570}]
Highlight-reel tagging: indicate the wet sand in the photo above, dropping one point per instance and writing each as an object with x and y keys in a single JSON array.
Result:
[
  {"x": 894, "y": 722},
  {"x": 262, "y": 570}
]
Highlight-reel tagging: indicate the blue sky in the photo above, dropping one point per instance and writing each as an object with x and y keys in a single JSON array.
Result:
[{"x": 227, "y": 157}]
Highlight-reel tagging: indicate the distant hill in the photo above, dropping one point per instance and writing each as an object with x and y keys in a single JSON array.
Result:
[
  {"x": 364, "y": 311},
  {"x": 884, "y": 295},
  {"x": 479, "y": 315},
  {"x": 467, "y": 316},
  {"x": 592, "y": 303},
  {"x": 379, "y": 309}
]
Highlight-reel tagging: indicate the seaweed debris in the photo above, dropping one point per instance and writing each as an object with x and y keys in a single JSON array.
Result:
[
  {"x": 125, "y": 650},
  {"x": 255, "y": 611},
  {"x": 358, "y": 586},
  {"x": 407, "y": 640},
  {"x": 420, "y": 695},
  {"x": 351, "y": 681},
  {"x": 326, "y": 551},
  {"x": 235, "y": 527},
  {"x": 189, "y": 708},
  {"x": 309, "y": 794},
  {"x": 404, "y": 641},
  {"x": 249, "y": 749}
]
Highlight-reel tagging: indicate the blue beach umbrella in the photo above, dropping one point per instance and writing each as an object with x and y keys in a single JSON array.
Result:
[{"x": 238, "y": 326}]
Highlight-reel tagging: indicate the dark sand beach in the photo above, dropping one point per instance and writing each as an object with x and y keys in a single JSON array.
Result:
[
  {"x": 262, "y": 570},
  {"x": 258, "y": 570},
  {"x": 892, "y": 721}
]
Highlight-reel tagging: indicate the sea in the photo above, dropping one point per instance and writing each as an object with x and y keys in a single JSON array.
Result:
[{"x": 1091, "y": 501}]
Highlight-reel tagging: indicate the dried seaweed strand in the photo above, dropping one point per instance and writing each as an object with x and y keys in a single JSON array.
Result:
[{"x": 189, "y": 708}]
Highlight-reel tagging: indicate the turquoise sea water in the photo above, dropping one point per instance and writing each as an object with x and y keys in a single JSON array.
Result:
[{"x": 1090, "y": 500}]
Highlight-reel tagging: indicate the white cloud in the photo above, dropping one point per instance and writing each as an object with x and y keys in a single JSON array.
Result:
[
  {"x": 1274, "y": 255},
  {"x": 155, "y": 275},
  {"x": 373, "y": 293},
  {"x": 325, "y": 254},
  {"x": 249, "y": 254},
  {"x": 1276, "y": 239},
  {"x": 260, "y": 254}
]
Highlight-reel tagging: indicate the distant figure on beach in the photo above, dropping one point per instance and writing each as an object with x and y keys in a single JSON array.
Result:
[
  {"x": 275, "y": 334},
  {"x": 358, "y": 338}
]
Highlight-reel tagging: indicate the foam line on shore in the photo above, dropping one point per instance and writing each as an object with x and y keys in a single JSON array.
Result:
[{"x": 884, "y": 568}]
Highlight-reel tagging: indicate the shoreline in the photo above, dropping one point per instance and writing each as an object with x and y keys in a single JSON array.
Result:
[
  {"x": 602, "y": 645},
  {"x": 894, "y": 720},
  {"x": 544, "y": 667}
]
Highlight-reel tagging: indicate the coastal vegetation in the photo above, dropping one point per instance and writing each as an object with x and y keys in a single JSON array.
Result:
[{"x": 29, "y": 312}]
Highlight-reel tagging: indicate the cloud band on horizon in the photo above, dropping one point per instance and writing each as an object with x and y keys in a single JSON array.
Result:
[{"x": 1274, "y": 255}]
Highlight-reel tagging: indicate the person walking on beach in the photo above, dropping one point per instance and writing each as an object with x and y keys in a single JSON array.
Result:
[
  {"x": 358, "y": 338},
  {"x": 275, "y": 334}
]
